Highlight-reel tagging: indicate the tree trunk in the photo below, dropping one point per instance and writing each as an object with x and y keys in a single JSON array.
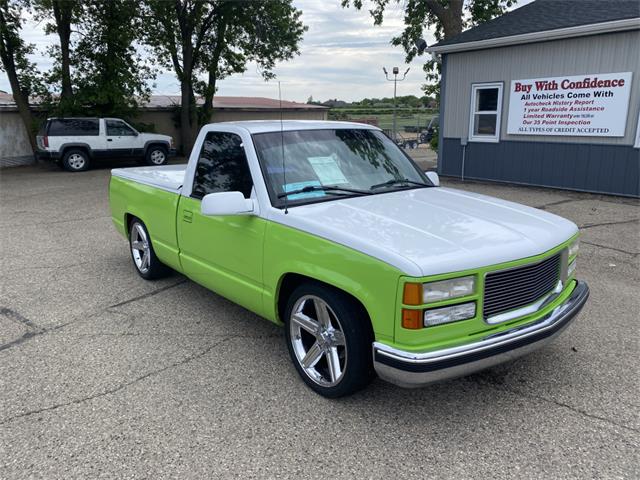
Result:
[
  {"x": 62, "y": 12},
  {"x": 213, "y": 70},
  {"x": 451, "y": 19},
  {"x": 21, "y": 99}
]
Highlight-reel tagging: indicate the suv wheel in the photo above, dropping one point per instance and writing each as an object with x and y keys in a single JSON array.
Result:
[
  {"x": 75, "y": 160},
  {"x": 156, "y": 155},
  {"x": 329, "y": 340}
]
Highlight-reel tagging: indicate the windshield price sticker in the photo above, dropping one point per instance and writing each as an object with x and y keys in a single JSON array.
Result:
[
  {"x": 327, "y": 170},
  {"x": 592, "y": 105}
]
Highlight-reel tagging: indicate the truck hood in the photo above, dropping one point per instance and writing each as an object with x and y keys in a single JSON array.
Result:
[{"x": 428, "y": 231}]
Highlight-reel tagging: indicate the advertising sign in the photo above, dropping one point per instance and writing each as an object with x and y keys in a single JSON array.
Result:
[{"x": 592, "y": 105}]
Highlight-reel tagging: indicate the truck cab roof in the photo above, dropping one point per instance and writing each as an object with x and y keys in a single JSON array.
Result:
[{"x": 265, "y": 126}]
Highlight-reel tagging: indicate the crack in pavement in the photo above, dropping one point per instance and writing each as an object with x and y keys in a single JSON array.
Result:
[
  {"x": 559, "y": 202},
  {"x": 146, "y": 295},
  {"x": 119, "y": 387},
  {"x": 124, "y": 385},
  {"x": 40, "y": 331},
  {"x": 604, "y": 224},
  {"x": 33, "y": 330},
  {"x": 633, "y": 254},
  {"x": 583, "y": 413}
]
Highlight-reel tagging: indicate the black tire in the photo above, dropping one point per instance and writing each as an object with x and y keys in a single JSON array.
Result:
[
  {"x": 346, "y": 315},
  {"x": 75, "y": 160},
  {"x": 155, "y": 269},
  {"x": 156, "y": 155}
]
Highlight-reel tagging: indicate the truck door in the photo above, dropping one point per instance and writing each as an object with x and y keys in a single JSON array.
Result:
[
  {"x": 222, "y": 253},
  {"x": 120, "y": 138}
]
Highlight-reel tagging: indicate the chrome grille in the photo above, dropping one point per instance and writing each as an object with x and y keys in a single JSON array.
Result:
[{"x": 517, "y": 287}]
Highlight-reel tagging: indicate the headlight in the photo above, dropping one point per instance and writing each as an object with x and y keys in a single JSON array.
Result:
[
  {"x": 438, "y": 316},
  {"x": 571, "y": 269},
  {"x": 446, "y": 289},
  {"x": 574, "y": 247}
]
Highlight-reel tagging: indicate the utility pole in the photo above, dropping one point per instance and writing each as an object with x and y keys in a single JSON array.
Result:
[{"x": 395, "y": 81}]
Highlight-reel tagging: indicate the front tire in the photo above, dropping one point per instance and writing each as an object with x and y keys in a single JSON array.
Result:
[
  {"x": 329, "y": 339},
  {"x": 75, "y": 160},
  {"x": 156, "y": 156},
  {"x": 142, "y": 253}
]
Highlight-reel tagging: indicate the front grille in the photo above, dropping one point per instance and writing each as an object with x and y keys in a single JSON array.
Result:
[{"x": 510, "y": 289}]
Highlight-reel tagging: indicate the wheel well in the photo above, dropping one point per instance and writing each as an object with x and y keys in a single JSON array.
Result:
[
  {"x": 291, "y": 280},
  {"x": 128, "y": 220},
  {"x": 156, "y": 144},
  {"x": 75, "y": 147}
]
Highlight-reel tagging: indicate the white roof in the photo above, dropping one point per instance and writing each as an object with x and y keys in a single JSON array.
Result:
[{"x": 263, "y": 126}]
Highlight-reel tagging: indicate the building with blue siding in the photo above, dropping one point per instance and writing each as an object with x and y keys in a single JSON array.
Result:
[{"x": 547, "y": 95}]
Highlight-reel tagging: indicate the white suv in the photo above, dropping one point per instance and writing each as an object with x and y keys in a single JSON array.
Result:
[{"x": 76, "y": 142}]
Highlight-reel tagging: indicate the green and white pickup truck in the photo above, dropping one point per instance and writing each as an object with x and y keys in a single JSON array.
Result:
[{"x": 372, "y": 267}]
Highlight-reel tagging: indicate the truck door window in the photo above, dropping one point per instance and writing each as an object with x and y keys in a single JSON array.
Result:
[
  {"x": 222, "y": 166},
  {"x": 116, "y": 128}
]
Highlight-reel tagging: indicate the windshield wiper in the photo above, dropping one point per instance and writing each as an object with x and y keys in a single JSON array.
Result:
[
  {"x": 398, "y": 181},
  {"x": 323, "y": 188}
]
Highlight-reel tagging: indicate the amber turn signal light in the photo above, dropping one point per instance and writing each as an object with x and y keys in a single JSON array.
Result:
[
  {"x": 412, "y": 294},
  {"x": 411, "y": 319}
]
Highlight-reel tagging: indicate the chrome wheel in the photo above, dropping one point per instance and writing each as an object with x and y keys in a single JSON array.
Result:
[
  {"x": 76, "y": 161},
  {"x": 140, "y": 248},
  {"x": 318, "y": 340},
  {"x": 157, "y": 157}
]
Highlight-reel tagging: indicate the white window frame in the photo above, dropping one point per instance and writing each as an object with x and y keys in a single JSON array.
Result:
[
  {"x": 472, "y": 112},
  {"x": 637, "y": 142}
]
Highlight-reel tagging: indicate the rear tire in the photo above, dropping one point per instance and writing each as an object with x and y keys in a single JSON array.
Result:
[
  {"x": 156, "y": 156},
  {"x": 75, "y": 160},
  {"x": 329, "y": 339},
  {"x": 142, "y": 253}
]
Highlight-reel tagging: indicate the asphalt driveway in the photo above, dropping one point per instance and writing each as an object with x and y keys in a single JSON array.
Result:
[{"x": 104, "y": 375}]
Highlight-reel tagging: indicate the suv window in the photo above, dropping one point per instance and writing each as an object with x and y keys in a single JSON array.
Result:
[
  {"x": 76, "y": 127},
  {"x": 222, "y": 166},
  {"x": 117, "y": 128}
]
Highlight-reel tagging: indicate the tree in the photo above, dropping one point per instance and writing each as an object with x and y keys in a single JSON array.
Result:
[
  {"x": 447, "y": 17},
  {"x": 97, "y": 68},
  {"x": 62, "y": 14},
  {"x": 216, "y": 38},
  {"x": 110, "y": 76},
  {"x": 23, "y": 76}
]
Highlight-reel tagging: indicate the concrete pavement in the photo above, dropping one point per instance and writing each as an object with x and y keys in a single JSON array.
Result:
[{"x": 104, "y": 375}]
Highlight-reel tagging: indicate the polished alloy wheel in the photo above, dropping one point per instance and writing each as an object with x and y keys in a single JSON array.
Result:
[
  {"x": 140, "y": 248},
  {"x": 76, "y": 161},
  {"x": 318, "y": 340},
  {"x": 157, "y": 157}
]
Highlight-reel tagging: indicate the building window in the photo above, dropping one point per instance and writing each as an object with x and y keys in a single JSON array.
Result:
[{"x": 486, "y": 109}]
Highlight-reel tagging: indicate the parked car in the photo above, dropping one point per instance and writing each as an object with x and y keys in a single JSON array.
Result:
[
  {"x": 77, "y": 142},
  {"x": 331, "y": 230}
]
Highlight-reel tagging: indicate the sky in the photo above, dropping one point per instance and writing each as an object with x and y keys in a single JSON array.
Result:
[{"x": 341, "y": 56}]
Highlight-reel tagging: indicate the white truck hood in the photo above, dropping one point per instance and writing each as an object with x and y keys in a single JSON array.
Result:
[{"x": 428, "y": 231}]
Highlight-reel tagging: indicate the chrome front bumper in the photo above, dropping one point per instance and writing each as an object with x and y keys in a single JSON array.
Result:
[{"x": 409, "y": 369}]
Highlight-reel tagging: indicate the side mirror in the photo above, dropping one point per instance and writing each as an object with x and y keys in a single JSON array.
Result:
[
  {"x": 433, "y": 177},
  {"x": 226, "y": 203}
]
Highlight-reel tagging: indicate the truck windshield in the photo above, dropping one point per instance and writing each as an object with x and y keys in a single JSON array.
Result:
[{"x": 354, "y": 161}]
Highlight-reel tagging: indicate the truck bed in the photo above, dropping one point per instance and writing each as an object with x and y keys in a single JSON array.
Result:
[{"x": 166, "y": 177}]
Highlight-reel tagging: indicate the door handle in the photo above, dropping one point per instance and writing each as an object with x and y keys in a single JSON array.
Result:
[
  {"x": 187, "y": 216},
  {"x": 109, "y": 139}
]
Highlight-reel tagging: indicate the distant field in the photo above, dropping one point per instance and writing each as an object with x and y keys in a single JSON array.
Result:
[{"x": 406, "y": 117}]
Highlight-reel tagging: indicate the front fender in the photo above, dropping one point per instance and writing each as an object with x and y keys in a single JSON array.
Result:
[{"x": 372, "y": 282}]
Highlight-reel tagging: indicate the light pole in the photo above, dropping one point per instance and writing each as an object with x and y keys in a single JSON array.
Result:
[{"x": 395, "y": 81}]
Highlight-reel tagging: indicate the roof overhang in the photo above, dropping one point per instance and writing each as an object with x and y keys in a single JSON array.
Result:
[{"x": 544, "y": 36}]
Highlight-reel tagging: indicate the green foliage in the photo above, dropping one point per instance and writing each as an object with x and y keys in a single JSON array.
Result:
[
  {"x": 14, "y": 50},
  {"x": 433, "y": 143},
  {"x": 446, "y": 18}
]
